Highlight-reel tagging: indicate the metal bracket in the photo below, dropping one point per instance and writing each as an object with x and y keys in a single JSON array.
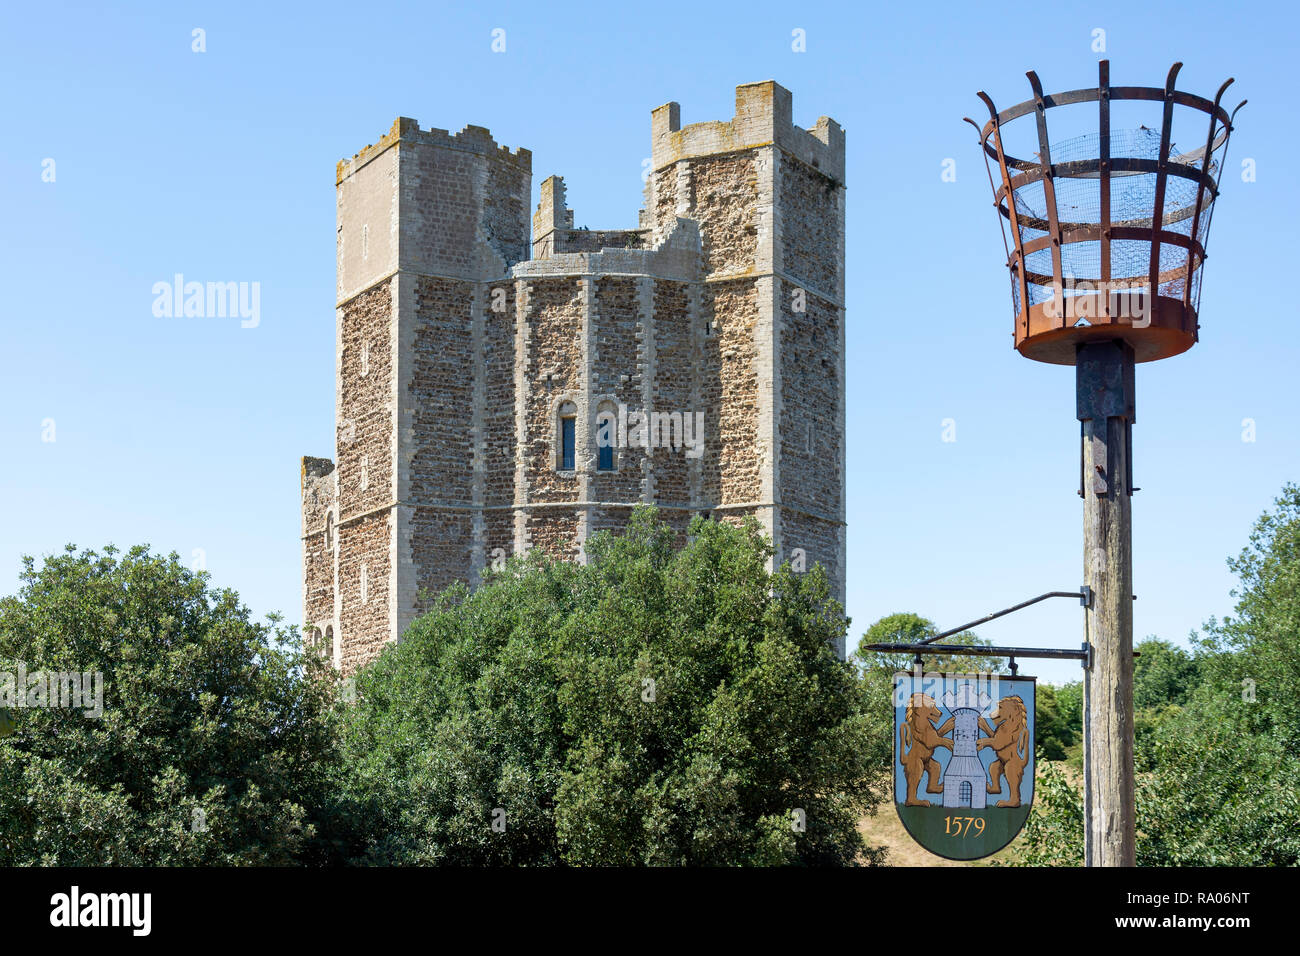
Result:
[
  {"x": 1081, "y": 593},
  {"x": 980, "y": 650},
  {"x": 930, "y": 645}
]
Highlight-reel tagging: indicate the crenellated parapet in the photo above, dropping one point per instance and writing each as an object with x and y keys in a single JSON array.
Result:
[
  {"x": 471, "y": 139},
  {"x": 763, "y": 117}
]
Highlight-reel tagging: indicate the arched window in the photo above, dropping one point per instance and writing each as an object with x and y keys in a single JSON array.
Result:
[
  {"x": 965, "y": 793},
  {"x": 567, "y": 435},
  {"x": 335, "y": 644},
  {"x": 329, "y": 531}
]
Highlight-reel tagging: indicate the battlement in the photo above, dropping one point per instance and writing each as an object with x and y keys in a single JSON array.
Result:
[
  {"x": 554, "y": 232},
  {"x": 764, "y": 116},
  {"x": 473, "y": 139},
  {"x": 677, "y": 256},
  {"x": 552, "y": 212}
]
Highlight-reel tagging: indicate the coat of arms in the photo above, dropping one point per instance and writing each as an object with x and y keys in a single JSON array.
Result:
[{"x": 963, "y": 760}]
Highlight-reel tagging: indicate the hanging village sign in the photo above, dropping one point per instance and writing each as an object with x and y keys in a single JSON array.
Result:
[
  {"x": 964, "y": 743},
  {"x": 963, "y": 760}
]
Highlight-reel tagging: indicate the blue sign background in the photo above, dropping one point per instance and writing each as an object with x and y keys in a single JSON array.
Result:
[{"x": 935, "y": 685}]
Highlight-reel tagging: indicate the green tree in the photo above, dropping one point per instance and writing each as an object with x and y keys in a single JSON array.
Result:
[
  {"x": 1053, "y": 735},
  {"x": 1224, "y": 786},
  {"x": 1069, "y": 700},
  {"x": 1053, "y": 834},
  {"x": 658, "y": 705},
  {"x": 1163, "y": 673},
  {"x": 1256, "y": 652},
  {"x": 1217, "y": 760},
  {"x": 213, "y": 735}
]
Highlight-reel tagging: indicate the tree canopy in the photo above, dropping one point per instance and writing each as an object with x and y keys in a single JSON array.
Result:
[
  {"x": 657, "y": 705},
  {"x": 210, "y": 745},
  {"x": 1217, "y": 727}
]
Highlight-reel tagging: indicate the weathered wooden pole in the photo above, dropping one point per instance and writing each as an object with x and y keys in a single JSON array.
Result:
[{"x": 1104, "y": 390}]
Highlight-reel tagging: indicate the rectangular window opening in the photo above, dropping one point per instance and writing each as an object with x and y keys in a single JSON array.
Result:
[{"x": 568, "y": 431}]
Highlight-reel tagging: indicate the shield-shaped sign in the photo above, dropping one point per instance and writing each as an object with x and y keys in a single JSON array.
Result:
[{"x": 963, "y": 760}]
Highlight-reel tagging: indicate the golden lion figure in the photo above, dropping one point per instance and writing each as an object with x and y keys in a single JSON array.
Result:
[
  {"x": 1011, "y": 743},
  {"x": 918, "y": 739}
]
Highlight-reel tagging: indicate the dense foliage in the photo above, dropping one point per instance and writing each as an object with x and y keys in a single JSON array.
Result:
[
  {"x": 1218, "y": 729},
  {"x": 1058, "y": 720},
  {"x": 211, "y": 745},
  {"x": 653, "y": 706},
  {"x": 1053, "y": 834}
]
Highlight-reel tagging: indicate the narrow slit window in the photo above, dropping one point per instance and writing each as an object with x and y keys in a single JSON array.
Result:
[
  {"x": 568, "y": 433},
  {"x": 606, "y": 437}
]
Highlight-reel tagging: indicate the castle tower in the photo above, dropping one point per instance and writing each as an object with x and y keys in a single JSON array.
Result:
[
  {"x": 473, "y": 379},
  {"x": 769, "y": 200},
  {"x": 425, "y": 219},
  {"x": 964, "y": 779}
]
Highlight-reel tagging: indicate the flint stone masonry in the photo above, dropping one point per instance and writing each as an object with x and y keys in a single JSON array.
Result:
[{"x": 462, "y": 334}]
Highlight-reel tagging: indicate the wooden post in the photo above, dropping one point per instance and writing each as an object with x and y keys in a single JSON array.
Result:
[{"x": 1104, "y": 390}]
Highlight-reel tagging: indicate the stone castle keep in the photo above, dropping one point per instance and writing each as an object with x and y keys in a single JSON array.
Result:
[{"x": 476, "y": 363}]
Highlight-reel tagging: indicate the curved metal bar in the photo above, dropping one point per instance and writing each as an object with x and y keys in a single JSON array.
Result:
[
  {"x": 1049, "y": 188},
  {"x": 1150, "y": 94},
  {"x": 1223, "y": 164},
  {"x": 1091, "y": 232},
  {"x": 1162, "y": 177},
  {"x": 1138, "y": 282},
  {"x": 1083, "y": 595},
  {"x": 1023, "y": 315},
  {"x": 1124, "y": 165},
  {"x": 993, "y": 188},
  {"x": 1200, "y": 194},
  {"x": 1067, "y": 227}
]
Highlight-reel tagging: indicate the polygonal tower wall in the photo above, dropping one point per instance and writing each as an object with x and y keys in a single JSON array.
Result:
[
  {"x": 769, "y": 200},
  {"x": 425, "y": 219},
  {"x": 457, "y": 355}
]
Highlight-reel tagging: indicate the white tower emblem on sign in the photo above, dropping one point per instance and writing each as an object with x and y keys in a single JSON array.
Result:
[{"x": 964, "y": 780}]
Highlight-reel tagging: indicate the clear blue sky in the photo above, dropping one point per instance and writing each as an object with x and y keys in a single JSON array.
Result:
[{"x": 186, "y": 433}]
